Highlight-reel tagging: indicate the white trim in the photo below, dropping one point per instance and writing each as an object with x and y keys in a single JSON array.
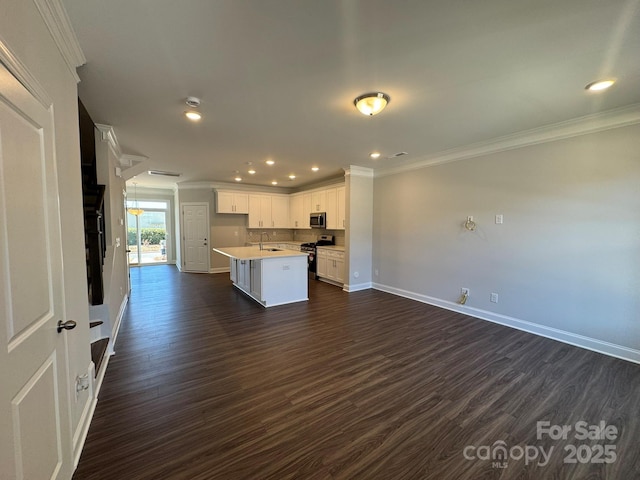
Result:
[
  {"x": 356, "y": 171},
  {"x": 220, "y": 270},
  {"x": 108, "y": 135},
  {"x": 593, "y": 344},
  {"x": 116, "y": 328},
  {"x": 357, "y": 287},
  {"x": 128, "y": 160},
  {"x": 56, "y": 19},
  {"x": 23, "y": 75},
  {"x": 620, "y": 117}
]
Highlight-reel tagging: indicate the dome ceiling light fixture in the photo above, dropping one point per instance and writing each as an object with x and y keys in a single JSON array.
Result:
[
  {"x": 371, "y": 103},
  {"x": 193, "y": 103}
]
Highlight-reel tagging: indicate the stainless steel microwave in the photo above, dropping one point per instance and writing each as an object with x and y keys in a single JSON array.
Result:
[{"x": 318, "y": 220}]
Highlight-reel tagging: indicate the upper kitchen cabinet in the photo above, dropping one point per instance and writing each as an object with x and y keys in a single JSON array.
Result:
[
  {"x": 232, "y": 202},
  {"x": 331, "y": 207},
  {"x": 342, "y": 208},
  {"x": 280, "y": 211},
  {"x": 259, "y": 211},
  {"x": 319, "y": 201}
]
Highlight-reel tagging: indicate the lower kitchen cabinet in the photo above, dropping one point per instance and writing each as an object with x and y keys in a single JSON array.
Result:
[{"x": 330, "y": 265}]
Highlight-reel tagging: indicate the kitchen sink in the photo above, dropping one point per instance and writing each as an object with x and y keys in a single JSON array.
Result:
[{"x": 272, "y": 249}]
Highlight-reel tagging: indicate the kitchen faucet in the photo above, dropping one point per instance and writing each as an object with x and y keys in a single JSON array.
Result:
[{"x": 263, "y": 233}]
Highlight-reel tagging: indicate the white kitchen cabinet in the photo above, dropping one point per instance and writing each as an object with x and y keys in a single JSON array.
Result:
[
  {"x": 280, "y": 211},
  {"x": 341, "y": 199},
  {"x": 232, "y": 202},
  {"x": 256, "y": 279},
  {"x": 243, "y": 269},
  {"x": 331, "y": 207},
  {"x": 330, "y": 265},
  {"x": 260, "y": 211},
  {"x": 321, "y": 263},
  {"x": 319, "y": 201},
  {"x": 295, "y": 210},
  {"x": 306, "y": 210}
]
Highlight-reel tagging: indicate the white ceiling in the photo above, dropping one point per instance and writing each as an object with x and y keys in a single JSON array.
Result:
[{"x": 277, "y": 78}]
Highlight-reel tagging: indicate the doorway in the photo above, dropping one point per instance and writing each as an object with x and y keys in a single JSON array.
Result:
[{"x": 148, "y": 233}]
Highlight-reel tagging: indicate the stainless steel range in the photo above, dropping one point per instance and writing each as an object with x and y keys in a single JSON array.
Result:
[{"x": 310, "y": 248}]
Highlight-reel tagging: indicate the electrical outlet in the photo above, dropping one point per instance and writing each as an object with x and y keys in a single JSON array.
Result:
[
  {"x": 464, "y": 290},
  {"x": 494, "y": 298},
  {"x": 499, "y": 219}
]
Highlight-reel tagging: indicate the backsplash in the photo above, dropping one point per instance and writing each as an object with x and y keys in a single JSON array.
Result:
[{"x": 282, "y": 235}]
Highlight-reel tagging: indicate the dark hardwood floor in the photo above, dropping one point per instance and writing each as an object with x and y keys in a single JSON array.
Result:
[{"x": 206, "y": 384}]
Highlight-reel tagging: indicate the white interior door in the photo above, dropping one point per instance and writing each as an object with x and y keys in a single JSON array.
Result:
[
  {"x": 35, "y": 428},
  {"x": 195, "y": 225}
]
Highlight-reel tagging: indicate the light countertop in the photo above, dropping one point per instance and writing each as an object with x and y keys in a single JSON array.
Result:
[
  {"x": 254, "y": 253},
  {"x": 338, "y": 248}
]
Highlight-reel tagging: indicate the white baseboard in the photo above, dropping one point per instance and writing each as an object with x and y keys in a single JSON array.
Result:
[
  {"x": 220, "y": 270},
  {"x": 356, "y": 287},
  {"x": 593, "y": 344},
  {"x": 116, "y": 328}
]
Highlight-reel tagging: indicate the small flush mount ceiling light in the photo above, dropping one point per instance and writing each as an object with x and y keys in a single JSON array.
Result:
[
  {"x": 371, "y": 103},
  {"x": 315, "y": 169},
  {"x": 238, "y": 179},
  {"x": 192, "y": 114},
  {"x": 269, "y": 162},
  {"x": 600, "y": 85},
  {"x": 274, "y": 183},
  {"x": 251, "y": 171},
  {"x": 374, "y": 155},
  {"x": 292, "y": 177}
]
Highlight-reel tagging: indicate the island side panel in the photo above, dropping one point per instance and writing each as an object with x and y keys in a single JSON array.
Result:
[{"x": 284, "y": 280}]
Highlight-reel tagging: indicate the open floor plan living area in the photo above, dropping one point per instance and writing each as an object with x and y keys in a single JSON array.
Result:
[{"x": 319, "y": 240}]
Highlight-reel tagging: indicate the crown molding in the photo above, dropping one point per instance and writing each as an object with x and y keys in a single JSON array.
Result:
[
  {"x": 598, "y": 122},
  {"x": 356, "y": 171},
  {"x": 23, "y": 75},
  {"x": 108, "y": 135},
  {"x": 57, "y": 21},
  {"x": 127, "y": 160}
]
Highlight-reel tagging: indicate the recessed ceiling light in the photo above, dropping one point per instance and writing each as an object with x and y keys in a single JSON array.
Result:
[
  {"x": 252, "y": 172},
  {"x": 292, "y": 177},
  {"x": 238, "y": 179},
  {"x": 374, "y": 155},
  {"x": 269, "y": 162},
  {"x": 371, "y": 103},
  {"x": 193, "y": 116},
  {"x": 600, "y": 85},
  {"x": 274, "y": 183},
  {"x": 315, "y": 169}
]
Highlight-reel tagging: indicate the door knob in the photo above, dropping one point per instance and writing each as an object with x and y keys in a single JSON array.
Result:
[{"x": 68, "y": 325}]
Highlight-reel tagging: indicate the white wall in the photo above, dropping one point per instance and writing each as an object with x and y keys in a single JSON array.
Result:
[
  {"x": 25, "y": 35},
  {"x": 358, "y": 235},
  {"x": 115, "y": 270},
  {"x": 566, "y": 257}
]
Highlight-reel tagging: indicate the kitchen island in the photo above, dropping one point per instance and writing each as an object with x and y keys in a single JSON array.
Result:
[{"x": 269, "y": 276}]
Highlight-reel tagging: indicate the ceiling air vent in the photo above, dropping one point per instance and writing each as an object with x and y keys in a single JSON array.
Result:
[
  {"x": 160, "y": 173},
  {"x": 399, "y": 154}
]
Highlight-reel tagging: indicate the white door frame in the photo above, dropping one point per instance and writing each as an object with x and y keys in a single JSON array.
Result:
[{"x": 184, "y": 267}]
